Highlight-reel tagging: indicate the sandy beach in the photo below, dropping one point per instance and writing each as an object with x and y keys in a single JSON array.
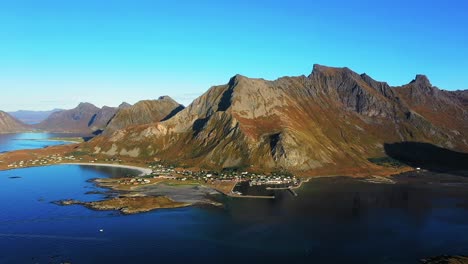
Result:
[{"x": 143, "y": 171}]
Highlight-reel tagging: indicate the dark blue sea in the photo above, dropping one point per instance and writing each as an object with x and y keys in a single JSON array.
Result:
[{"x": 332, "y": 220}]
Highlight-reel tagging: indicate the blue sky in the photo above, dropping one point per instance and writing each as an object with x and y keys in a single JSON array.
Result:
[{"x": 56, "y": 53}]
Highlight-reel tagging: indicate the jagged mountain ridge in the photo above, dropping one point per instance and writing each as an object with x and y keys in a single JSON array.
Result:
[
  {"x": 85, "y": 118},
  {"x": 333, "y": 117},
  {"x": 144, "y": 112},
  {"x": 9, "y": 124}
]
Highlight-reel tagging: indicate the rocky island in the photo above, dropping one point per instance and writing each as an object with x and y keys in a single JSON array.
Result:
[{"x": 129, "y": 205}]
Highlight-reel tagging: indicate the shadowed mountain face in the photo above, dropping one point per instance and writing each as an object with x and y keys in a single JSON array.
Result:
[
  {"x": 102, "y": 118},
  {"x": 428, "y": 156},
  {"x": 332, "y": 118},
  {"x": 144, "y": 112},
  {"x": 9, "y": 124},
  {"x": 85, "y": 118}
]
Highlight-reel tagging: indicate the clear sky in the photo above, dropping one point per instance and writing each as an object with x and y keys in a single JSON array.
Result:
[{"x": 57, "y": 53}]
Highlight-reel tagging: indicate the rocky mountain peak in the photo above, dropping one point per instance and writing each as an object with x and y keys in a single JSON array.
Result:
[
  {"x": 359, "y": 93},
  {"x": 87, "y": 106},
  {"x": 165, "y": 97},
  {"x": 420, "y": 88},
  {"x": 77, "y": 120},
  {"x": 329, "y": 71},
  {"x": 143, "y": 112},
  {"x": 124, "y": 105},
  {"x": 236, "y": 79},
  {"x": 421, "y": 81}
]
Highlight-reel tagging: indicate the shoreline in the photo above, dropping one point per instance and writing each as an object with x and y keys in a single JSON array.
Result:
[
  {"x": 58, "y": 140},
  {"x": 143, "y": 171}
]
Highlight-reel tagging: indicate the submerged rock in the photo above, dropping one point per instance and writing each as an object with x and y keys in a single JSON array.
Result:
[{"x": 445, "y": 259}]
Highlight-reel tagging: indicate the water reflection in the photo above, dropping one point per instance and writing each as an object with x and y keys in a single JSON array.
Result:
[{"x": 112, "y": 172}]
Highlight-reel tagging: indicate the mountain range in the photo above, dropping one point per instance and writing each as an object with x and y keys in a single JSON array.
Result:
[
  {"x": 332, "y": 118},
  {"x": 32, "y": 117},
  {"x": 86, "y": 118}
]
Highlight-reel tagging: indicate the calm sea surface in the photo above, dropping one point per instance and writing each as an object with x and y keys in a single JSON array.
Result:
[
  {"x": 9, "y": 142},
  {"x": 333, "y": 220}
]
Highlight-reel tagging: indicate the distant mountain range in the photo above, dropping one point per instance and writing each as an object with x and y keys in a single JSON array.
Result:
[
  {"x": 86, "y": 118},
  {"x": 332, "y": 118},
  {"x": 32, "y": 117}
]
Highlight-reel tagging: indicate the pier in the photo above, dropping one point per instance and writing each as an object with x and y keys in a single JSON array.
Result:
[
  {"x": 290, "y": 189},
  {"x": 253, "y": 196},
  {"x": 277, "y": 188}
]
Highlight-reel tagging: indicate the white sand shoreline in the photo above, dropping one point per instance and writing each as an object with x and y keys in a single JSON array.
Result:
[{"x": 143, "y": 171}]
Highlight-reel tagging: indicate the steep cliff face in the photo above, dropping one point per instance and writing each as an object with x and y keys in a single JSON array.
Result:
[
  {"x": 85, "y": 118},
  {"x": 143, "y": 112},
  {"x": 359, "y": 93},
  {"x": 333, "y": 117},
  {"x": 9, "y": 124}
]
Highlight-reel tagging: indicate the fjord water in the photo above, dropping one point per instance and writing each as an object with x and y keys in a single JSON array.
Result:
[
  {"x": 333, "y": 220},
  {"x": 10, "y": 142}
]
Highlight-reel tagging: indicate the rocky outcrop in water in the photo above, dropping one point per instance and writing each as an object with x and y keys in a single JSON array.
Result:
[{"x": 446, "y": 260}]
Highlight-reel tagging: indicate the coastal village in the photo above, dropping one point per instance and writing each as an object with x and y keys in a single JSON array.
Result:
[
  {"x": 214, "y": 179},
  {"x": 48, "y": 160},
  {"x": 223, "y": 181}
]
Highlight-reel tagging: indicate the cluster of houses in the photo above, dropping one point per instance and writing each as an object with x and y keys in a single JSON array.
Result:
[
  {"x": 210, "y": 176},
  {"x": 113, "y": 159},
  {"x": 274, "y": 180},
  {"x": 51, "y": 159},
  {"x": 134, "y": 181},
  {"x": 160, "y": 170},
  {"x": 170, "y": 172}
]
